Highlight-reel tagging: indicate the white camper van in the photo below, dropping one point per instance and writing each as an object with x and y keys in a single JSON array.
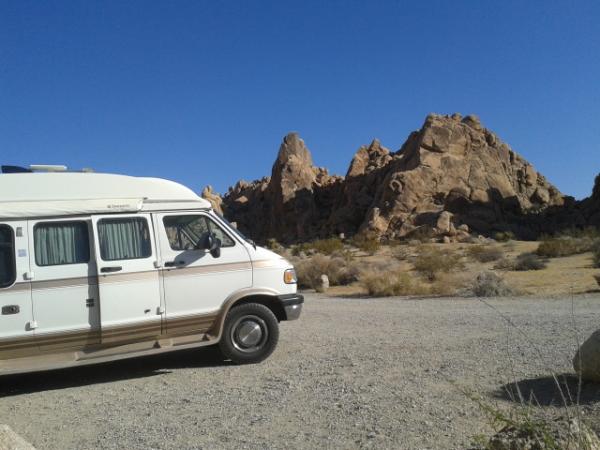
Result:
[{"x": 98, "y": 267}]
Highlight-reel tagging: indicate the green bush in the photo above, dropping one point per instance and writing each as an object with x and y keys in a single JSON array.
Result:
[
  {"x": 596, "y": 254},
  {"x": 272, "y": 244},
  {"x": 528, "y": 261},
  {"x": 484, "y": 253},
  {"x": 504, "y": 236},
  {"x": 431, "y": 262}
]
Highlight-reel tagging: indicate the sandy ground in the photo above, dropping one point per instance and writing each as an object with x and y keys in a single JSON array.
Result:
[{"x": 351, "y": 373}]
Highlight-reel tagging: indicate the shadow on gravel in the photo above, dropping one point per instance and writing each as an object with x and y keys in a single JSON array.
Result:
[
  {"x": 545, "y": 392},
  {"x": 143, "y": 367}
]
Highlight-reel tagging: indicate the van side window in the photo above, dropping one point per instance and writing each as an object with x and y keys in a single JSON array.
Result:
[
  {"x": 8, "y": 272},
  {"x": 184, "y": 232},
  {"x": 127, "y": 238},
  {"x": 59, "y": 243}
]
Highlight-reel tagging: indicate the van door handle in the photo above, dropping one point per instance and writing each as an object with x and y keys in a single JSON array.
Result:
[
  {"x": 174, "y": 263},
  {"x": 111, "y": 269}
]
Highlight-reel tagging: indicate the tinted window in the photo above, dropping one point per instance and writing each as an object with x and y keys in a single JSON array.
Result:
[
  {"x": 184, "y": 232},
  {"x": 58, "y": 243},
  {"x": 127, "y": 238},
  {"x": 8, "y": 273}
]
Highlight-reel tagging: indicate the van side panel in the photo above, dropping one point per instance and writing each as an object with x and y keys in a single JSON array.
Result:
[{"x": 16, "y": 314}]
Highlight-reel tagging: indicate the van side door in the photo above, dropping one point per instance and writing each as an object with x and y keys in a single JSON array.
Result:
[
  {"x": 64, "y": 283},
  {"x": 16, "y": 315},
  {"x": 128, "y": 278},
  {"x": 196, "y": 284}
]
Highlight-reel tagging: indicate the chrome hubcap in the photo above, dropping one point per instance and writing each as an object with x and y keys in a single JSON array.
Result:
[{"x": 249, "y": 334}]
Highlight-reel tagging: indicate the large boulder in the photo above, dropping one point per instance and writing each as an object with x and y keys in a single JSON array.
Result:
[{"x": 587, "y": 360}]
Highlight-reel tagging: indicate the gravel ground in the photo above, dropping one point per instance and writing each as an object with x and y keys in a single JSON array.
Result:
[{"x": 379, "y": 373}]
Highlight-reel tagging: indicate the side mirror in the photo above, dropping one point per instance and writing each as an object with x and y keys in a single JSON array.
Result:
[{"x": 211, "y": 243}]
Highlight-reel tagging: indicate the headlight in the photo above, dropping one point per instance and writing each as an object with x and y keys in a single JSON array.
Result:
[{"x": 289, "y": 276}]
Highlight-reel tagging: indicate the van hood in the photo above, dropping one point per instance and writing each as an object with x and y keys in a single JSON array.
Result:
[{"x": 261, "y": 254}]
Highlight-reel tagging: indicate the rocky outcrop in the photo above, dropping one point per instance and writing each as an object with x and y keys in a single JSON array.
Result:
[
  {"x": 450, "y": 178},
  {"x": 213, "y": 198}
]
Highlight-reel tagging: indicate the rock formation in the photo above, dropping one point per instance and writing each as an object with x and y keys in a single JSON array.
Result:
[{"x": 451, "y": 177}]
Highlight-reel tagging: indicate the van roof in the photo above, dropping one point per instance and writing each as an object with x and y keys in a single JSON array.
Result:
[{"x": 46, "y": 194}]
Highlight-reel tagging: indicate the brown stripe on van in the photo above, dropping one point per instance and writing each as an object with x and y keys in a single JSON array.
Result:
[
  {"x": 212, "y": 268},
  {"x": 127, "y": 277},
  {"x": 190, "y": 324},
  {"x": 132, "y": 333},
  {"x": 17, "y": 287},
  {"x": 64, "y": 283},
  {"x": 266, "y": 263}
]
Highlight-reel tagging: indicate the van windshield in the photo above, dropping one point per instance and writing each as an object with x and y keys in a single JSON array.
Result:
[{"x": 234, "y": 229}]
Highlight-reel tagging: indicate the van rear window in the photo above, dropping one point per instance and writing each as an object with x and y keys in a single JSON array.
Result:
[
  {"x": 61, "y": 243},
  {"x": 8, "y": 272}
]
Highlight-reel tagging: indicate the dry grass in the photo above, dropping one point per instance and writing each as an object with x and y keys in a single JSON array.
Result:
[
  {"x": 388, "y": 284},
  {"x": 484, "y": 253},
  {"x": 561, "y": 276},
  {"x": 432, "y": 261},
  {"x": 565, "y": 246}
]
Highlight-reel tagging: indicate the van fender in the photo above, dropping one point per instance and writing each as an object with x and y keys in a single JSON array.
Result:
[{"x": 273, "y": 297}]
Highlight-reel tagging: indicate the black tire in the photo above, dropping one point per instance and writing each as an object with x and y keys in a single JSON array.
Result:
[{"x": 250, "y": 334}]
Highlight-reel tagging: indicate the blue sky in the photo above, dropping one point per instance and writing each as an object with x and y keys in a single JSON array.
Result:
[{"x": 202, "y": 92}]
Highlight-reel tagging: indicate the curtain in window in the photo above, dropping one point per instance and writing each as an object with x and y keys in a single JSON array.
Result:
[
  {"x": 61, "y": 243},
  {"x": 123, "y": 239}
]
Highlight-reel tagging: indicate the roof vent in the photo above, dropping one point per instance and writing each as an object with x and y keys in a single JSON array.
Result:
[{"x": 47, "y": 168}]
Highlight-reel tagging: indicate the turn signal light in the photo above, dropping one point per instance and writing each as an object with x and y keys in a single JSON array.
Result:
[{"x": 289, "y": 276}]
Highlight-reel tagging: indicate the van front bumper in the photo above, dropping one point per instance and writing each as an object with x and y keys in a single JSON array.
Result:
[{"x": 292, "y": 305}]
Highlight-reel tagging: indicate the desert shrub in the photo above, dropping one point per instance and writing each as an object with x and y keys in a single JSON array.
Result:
[
  {"x": 505, "y": 264},
  {"x": 337, "y": 270},
  {"x": 431, "y": 262},
  {"x": 529, "y": 261},
  {"x": 422, "y": 234},
  {"x": 489, "y": 284},
  {"x": 272, "y": 244},
  {"x": 504, "y": 236},
  {"x": 445, "y": 285},
  {"x": 387, "y": 284},
  {"x": 484, "y": 253},
  {"x": 564, "y": 246},
  {"x": 327, "y": 246},
  {"x": 368, "y": 243},
  {"x": 596, "y": 254}
]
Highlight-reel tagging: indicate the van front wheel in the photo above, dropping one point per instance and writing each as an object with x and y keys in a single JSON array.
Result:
[{"x": 250, "y": 334}]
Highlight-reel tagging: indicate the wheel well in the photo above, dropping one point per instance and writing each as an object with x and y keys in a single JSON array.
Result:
[{"x": 266, "y": 300}]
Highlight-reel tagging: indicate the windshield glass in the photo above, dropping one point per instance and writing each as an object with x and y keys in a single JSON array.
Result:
[{"x": 232, "y": 228}]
